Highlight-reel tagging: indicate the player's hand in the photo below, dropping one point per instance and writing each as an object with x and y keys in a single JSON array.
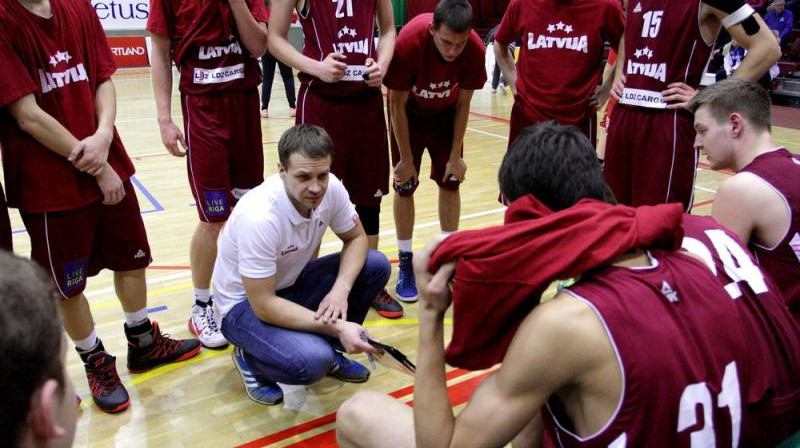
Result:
[
  {"x": 332, "y": 307},
  {"x": 599, "y": 97},
  {"x": 404, "y": 171},
  {"x": 618, "y": 87},
  {"x": 351, "y": 337},
  {"x": 434, "y": 289},
  {"x": 455, "y": 170},
  {"x": 171, "y": 136},
  {"x": 373, "y": 75},
  {"x": 678, "y": 95},
  {"x": 91, "y": 154},
  {"x": 331, "y": 69},
  {"x": 111, "y": 186}
]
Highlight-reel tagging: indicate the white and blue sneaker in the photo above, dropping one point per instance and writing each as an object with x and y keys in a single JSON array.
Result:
[
  {"x": 406, "y": 288},
  {"x": 203, "y": 324},
  {"x": 348, "y": 370},
  {"x": 261, "y": 392}
]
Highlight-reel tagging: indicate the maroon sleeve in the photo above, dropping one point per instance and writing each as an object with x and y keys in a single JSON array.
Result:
[
  {"x": 475, "y": 71},
  {"x": 615, "y": 25},
  {"x": 105, "y": 63},
  {"x": 509, "y": 31},
  {"x": 16, "y": 77},
  {"x": 156, "y": 22},
  {"x": 400, "y": 75},
  {"x": 258, "y": 10}
]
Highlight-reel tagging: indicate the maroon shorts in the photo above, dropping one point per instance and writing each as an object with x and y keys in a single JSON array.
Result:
[
  {"x": 358, "y": 130},
  {"x": 226, "y": 156},
  {"x": 650, "y": 156},
  {"x": 434, "y": 132},
  {"x": 72, "y": 245},
  {"x": 5, "y": 224},
  {"x": 520, "y": 120}
]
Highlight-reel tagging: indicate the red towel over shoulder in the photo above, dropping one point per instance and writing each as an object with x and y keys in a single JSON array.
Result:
[{"x": 502, "y": 271}]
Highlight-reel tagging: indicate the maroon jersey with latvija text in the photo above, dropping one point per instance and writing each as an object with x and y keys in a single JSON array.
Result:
[
  {"x": 781, "y": 170},
  {"x": 708, "y": 352},
  {"x": 339, "y": 26},
  {"x": 662, "y": 45}
]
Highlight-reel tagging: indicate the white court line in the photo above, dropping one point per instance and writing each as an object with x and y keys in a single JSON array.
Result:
[
  {"x": 487, "y": 133},
  {"x": 708, "y": 190},
  {"x": 150, "y": 281}
]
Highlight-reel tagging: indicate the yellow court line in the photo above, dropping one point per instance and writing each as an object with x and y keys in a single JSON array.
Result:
[
  {"x": 157, "y": 292},
  {"x": 386, "y": 322}
]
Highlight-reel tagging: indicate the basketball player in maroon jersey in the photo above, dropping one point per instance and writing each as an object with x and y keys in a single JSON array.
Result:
[
  {"x": 341, "y": 72},
  {"x": 215, "y": 45},
  {"x": 649, "y": 155},
  {"x": 623, "y": 358},
  {"x": 761, "y": 203},
  {"x": 438, "y": 63},
  {"x": 67, "y": 171},
  {"x": 560, "y": 60}
]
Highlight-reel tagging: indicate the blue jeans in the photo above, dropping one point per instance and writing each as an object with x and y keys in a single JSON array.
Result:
[{"x": 297, "y": 357}]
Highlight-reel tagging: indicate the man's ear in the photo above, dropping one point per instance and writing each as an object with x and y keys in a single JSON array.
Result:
[
  {"x": 737, "y": 123},
  {"x": 42, "y": 414},
  {"x": 281, "y": 169}
]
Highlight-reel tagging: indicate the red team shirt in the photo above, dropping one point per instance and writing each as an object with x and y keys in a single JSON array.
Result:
[
  {"x": 661, "y": 47},
  {"x": 346, "y": 27},
  {"x": 560, "y": 53},
  {"x": 733, "y": 384},
  {"x": 205, "y": 47},
  {"x": 781, "y": 169},
  {"x": 43, "y": 57},
  {"x": 433, "y": 83}
]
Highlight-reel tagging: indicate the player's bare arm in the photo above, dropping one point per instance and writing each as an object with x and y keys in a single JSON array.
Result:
[
  {"x": 353, "y": 256},
  {"x": 388, "y": 35},
  {"x": 404, "y": 170},
  {"x": 91, "y": 153},
  {"x": 275, "y": 310},
  {"x": 752, "y": 209},
  {"x": 751, "y": 32},
  {"x": 619, "y": 76},
  {"x": 330, "y": 69},
  {"x": 161, "y": 78},
  {"x": 505, "y": 61},
  {"x": 456, "y": 167},
  {"x": 252, "y": 32}
]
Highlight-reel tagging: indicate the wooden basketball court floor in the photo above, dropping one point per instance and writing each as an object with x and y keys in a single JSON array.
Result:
[{"x": 201, "y": 403}]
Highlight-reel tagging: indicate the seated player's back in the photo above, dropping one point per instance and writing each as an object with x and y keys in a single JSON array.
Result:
[{"x": 702, "y": 359}]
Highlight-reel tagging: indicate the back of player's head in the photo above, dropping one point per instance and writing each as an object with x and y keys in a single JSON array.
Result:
[
  {"x": 555, "y": 163},
  {"x": 306, "y": 139},
  {"x": 738, "y": 95},
  {"x": 456, "y": 14},
  {"x": 30, "y": 341}
]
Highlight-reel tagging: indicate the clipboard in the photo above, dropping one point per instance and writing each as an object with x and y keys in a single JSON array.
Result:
[{"x": 393, "y": 358}]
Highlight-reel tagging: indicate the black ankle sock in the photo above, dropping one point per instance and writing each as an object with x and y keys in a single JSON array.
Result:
[
  {"x": 85, "y": 354},
  {"x": 140, "y": 335}
]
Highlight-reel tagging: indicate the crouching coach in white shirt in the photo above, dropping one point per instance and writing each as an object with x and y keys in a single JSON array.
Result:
[{"x": 289, "y": 315}]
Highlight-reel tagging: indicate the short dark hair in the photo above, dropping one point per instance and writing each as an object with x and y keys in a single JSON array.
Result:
[
  {"x": 30, "y": 340},
  {"x": 555, "y": 163},
  {"x": 736, "y": 95},
  {"x": 456, "y": 14},
  {"x": 307, "y": 139}
]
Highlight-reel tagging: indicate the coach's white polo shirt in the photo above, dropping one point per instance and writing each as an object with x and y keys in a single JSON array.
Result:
[{"x": 266, "y": 235}]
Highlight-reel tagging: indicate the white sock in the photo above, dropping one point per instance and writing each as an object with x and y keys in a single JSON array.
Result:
[
  {"x": 135, "y": 318},
  {"x": 88, "y": 344},
  {"x": 202, "y": 295},
  {"x": 404, "y": 245},
  {"x": 446, "y": 233}
]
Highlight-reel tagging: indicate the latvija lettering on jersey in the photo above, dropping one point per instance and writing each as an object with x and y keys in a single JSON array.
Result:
[
  {"x": 216, "y": 51},
  {"x": 354, "y": 46},
  {"x": 651, "y": 70},
  {"x": 576, "y": 43},
  {"x": 432, "y": 93},
  {"x": 56, "y": 80}
]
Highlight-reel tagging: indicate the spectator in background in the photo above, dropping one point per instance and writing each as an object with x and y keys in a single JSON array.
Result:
[
  {"x": 780, "y": 19},
  {"x": 268, "y": 62}
]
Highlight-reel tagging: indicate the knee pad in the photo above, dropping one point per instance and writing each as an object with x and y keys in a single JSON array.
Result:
[{"x": 370, "y": 218}]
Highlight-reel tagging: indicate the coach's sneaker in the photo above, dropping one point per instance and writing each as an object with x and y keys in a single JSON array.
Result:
[
  {"x": 203, "y": 324},
  {"x": 107, "y": 390},
  {"x": 292, "y": 111},
  {"x": 348, "y": 370},
  {"x": 264, "y": 113},
  {"x": 148, "y": 348},
  {"x": 262, "y": 392},
  {"x": 406, "y": 288},
  {"x": 386, "y": 306}
]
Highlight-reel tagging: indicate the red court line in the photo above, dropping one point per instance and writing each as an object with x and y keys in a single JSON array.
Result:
[
  {"x": 708, "y": 167},
  {"x": 490, "y": 117},
  {"x": 459, "y": 393},
  {"x": 702, "y": 203},
  {"x": 329, "y": 418}
]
